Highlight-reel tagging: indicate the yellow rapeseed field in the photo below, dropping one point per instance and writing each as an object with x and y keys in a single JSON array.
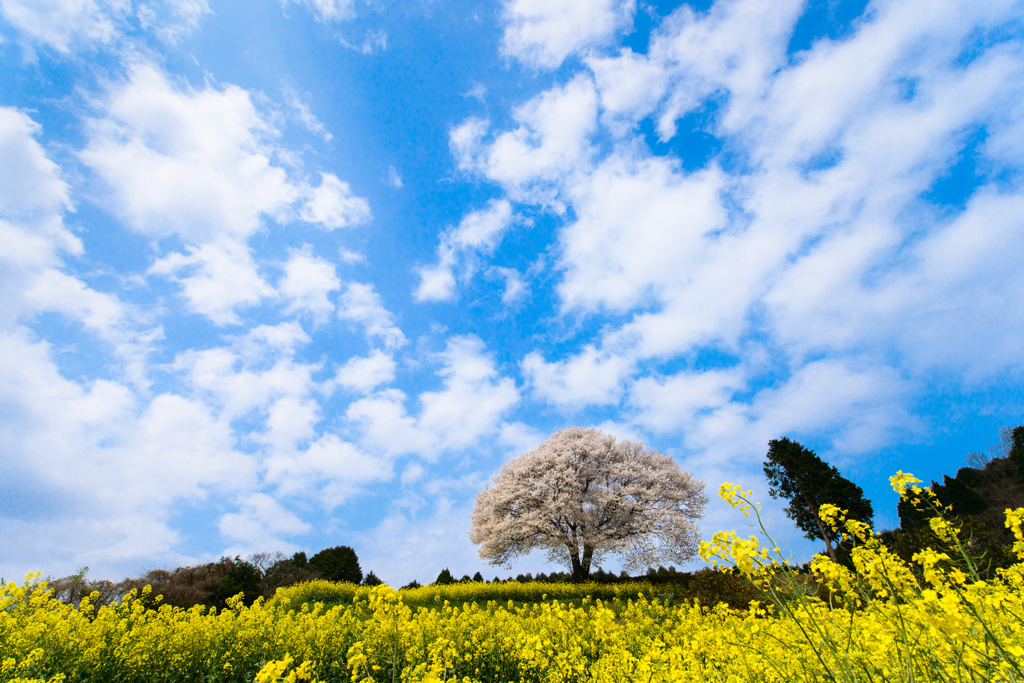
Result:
[{"x": 885, "y": 621}]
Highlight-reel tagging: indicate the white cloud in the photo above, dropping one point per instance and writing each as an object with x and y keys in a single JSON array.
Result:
[
  {"x": 473, "y": 399},
  {"x": 676, "y": 403},
  {"x": 259, "y": 370},
  {"x": 259, "y": 524},
  {"x": 394, "y": 180},
  {"x": 222, "y": 277},
  {"x": 373, "y": 42},
  {"x": 65, "y": 24},
  {"x": 412, "y": 473},
  {"x": 306, "y": 283},
  {"x": 330, "y": 470},
  {"x": 351, "y": 257},
  {"x": 629, "y": 86},
  {"x": 861, "y": 416},
  {"x": 640, "y": 235},
  {"x": 171, "y": 20},
  {"x": 365, "y": 373},
  {"x": 54, "y": 290},
  {"x": 468, "y": 408},
  {"x": 30, "y": 185},
  {"x": 361, "y": 303},
  {"x": 479, "y": 232},
  {"x": 736, "y": 46},
  {"x": 290, "y": 421},
  {"x": 551, "y": 141},
  {"x": 515, "y": 288},
  {"x": 543, "y": 33},
  {"x": 386, "y": 426},
  {"x": 520, "y": 438},
  {"x": 306, "y": 117},
  {"x": 92, "y": 432},
  {"x": 591, "y": 377},
  {"x": 437, "y": 282},
  {"x": 331, "y": 10},
  {"x": 333, "y": 205},
  {"x": 33, "y": 199},
  {"x": 196, "y": 164},
  {"x": 87, "y": 429}
]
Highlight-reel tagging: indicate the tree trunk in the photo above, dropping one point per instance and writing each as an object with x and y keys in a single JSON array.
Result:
[
  {"x": 588, "y": 556},
  {"x": 577, "y": 566},
  {"x": 821, "y": 527}
]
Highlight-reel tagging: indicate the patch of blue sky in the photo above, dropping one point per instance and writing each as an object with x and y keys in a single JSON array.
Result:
[
  {"x": 954, "y": 188},
  {"x": 826, "y": 20},
  {"x": 694, "y": 144},
  {"x": 648, "y": 18}
]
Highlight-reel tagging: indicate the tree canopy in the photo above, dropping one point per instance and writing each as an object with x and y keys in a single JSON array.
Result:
[
  {"x": 582, "y": 495},
  {"x": 800, "y": 476},
  {"x": 983, "y": 490},
  {"x": 337, "y": 564}
]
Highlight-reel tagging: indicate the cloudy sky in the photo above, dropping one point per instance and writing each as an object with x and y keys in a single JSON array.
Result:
[{"x": 283, "y": 275}]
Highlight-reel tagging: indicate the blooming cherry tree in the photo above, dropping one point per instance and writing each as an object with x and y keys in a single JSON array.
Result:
[{"x": 582, "y": 495}]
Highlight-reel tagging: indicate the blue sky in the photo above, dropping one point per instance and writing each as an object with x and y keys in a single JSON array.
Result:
[{"x": 289, "y": 275}]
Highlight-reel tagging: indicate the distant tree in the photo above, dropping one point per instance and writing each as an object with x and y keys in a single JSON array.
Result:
[
  {"x": 238, "y": 576},
  {"x": 371, "y": 579},
  {"x": 987, "y": 554},
  {"x": 580, "y": 496},
  {"x": 800, "y": 476},
  {"x": 478, "y": 577},
  {"x": 982, "y": 492},
  {"x": 286, "y": 571},
  {"x": 412, "y": 584},
  {"x": 445, "y": 578},
  {"x": 337, "y": 564},
  {"x": 958, "y": 492},
  {"x": 71, "y": 589},
  {"x": 1016, "y": 454}
]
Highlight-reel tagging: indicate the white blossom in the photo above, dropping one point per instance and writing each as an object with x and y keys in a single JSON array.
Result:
[{"x": 581, "y": 495}]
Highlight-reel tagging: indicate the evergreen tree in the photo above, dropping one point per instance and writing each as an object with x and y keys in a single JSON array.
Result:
[
  {"x": 238, "y": 576},
  {"x": 445, "y": 578},
  {"x": 339, "y": 563},
  {"x": 958, "y": 492},
  {"x": 808, "y": 482},
  {"x": 1016, "y": 454}
]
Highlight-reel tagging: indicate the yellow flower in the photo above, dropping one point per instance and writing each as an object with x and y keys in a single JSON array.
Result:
[{"x": 901, "y": 480}]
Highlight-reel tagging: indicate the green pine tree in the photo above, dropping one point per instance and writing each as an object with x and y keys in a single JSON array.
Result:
[{"x": 800, "y": 476}]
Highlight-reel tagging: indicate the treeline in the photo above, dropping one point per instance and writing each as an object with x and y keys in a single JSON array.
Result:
[
  {"x": 211, "y": 584},
  {"x": 976, "y": 497},
  {"x": 654, "y": 576}
]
